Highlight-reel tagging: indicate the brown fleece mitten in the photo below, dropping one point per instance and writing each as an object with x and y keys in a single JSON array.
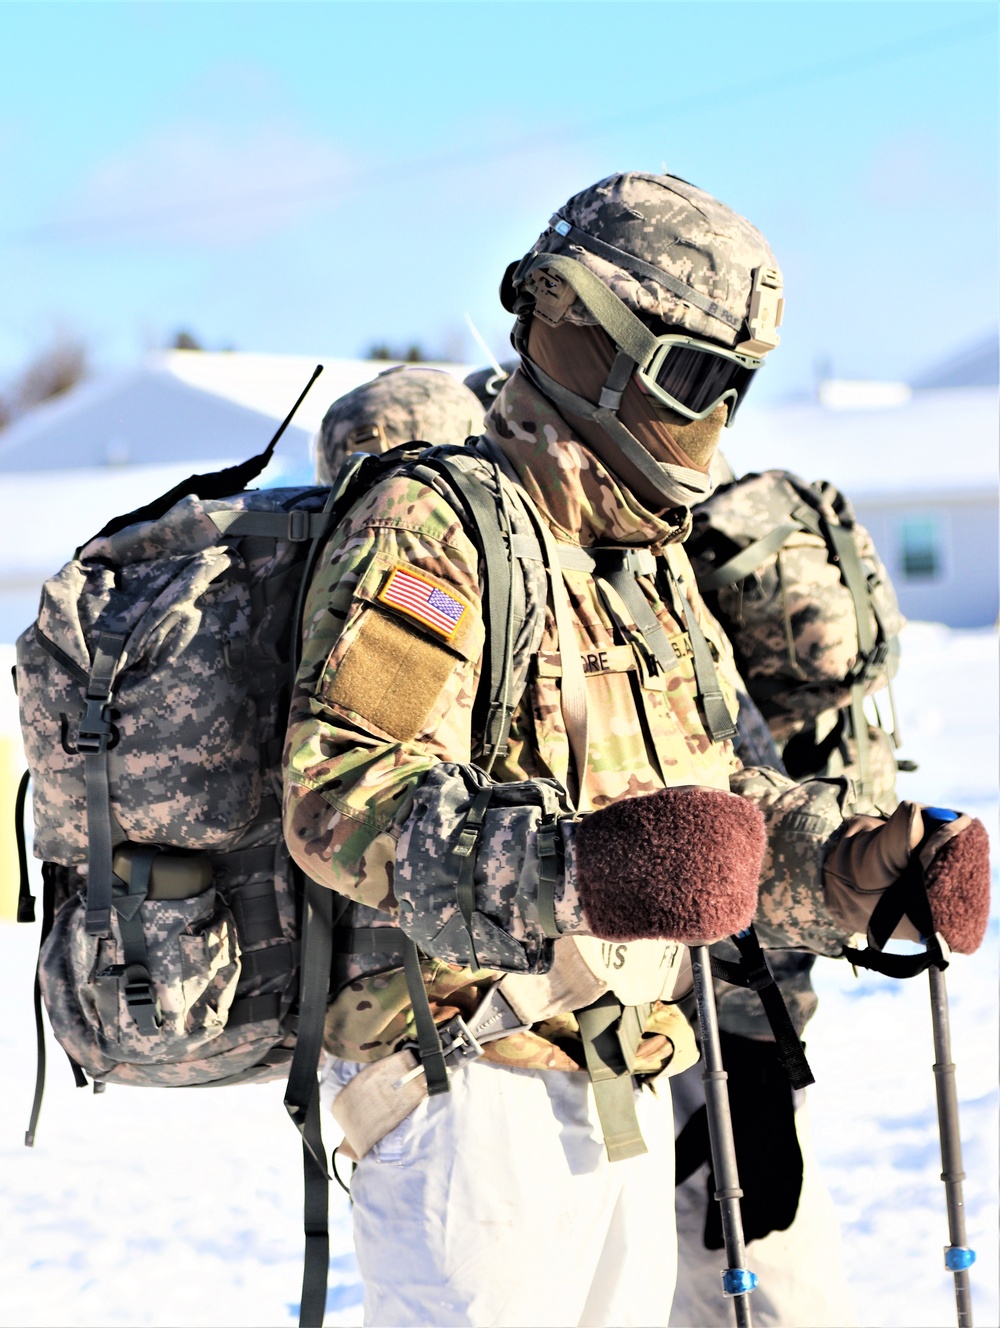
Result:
[
  {"x": 682, "y": 864},
  {"x": 872, "y": 853}
]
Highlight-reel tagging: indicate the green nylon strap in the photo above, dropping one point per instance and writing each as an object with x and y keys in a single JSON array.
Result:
[
  {"x": 623, "y": 327},
  {"x": 639, "y": 267},
  {"x": 549, "y": 875},
  {"x": 842, "y": 542},
  {"x": 650, "y": 629},
  {"x": 614, "y": 1094},
  {"x": 100, "y": 873},
  {"x": 490, "y": 520},
  {"x": 296, "y": 525},
  {"x": 429, "y": 1047},
  {"x": 862, "y": 739},
  {"x": 466, "y": 850},
  {"x": 749, "y": 559},
  {"x": 718, "y": 721}
]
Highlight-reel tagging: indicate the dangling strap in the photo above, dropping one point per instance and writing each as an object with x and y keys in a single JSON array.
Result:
[
  {"x": 302, "y": 1090},
  {"x": 718, "y": 721},
  {"x": 753, "y": 972},
  {"x": 430, "y": 1051},
  {"x": 25, "y": 899},
  {"x": 93, "y": 741},
  {"x": 50, "y": 871},
  {"x": 610, "y": 1070}
]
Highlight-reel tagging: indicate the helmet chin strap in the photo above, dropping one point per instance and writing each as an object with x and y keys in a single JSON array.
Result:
[{"x": 675, "y": 486}]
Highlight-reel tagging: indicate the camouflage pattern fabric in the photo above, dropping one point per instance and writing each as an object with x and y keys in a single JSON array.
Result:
[
  {"x": 792, "y": 622},
  {"x": 401, "y": 404},
  {"x": 373, "y": 813},
  {"x": 197, "y": 709},
  {"x": 674, "y": 226}
]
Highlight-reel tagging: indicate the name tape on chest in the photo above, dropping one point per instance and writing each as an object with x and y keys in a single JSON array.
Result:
[{"x": 414, "y": 594}]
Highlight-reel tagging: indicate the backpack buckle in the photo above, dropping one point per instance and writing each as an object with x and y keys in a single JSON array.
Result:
[
  {"x": 94, "y": 733},
  {"x": 298, "y": 525}
]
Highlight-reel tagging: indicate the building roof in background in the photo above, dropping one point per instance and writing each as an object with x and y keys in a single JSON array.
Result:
[
  {"x": 184, "y": 406},
  {"x": 977, "y": 366},
  {"x": 931, "y": 442}
]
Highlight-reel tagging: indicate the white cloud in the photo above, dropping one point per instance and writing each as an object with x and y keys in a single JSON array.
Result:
[{"x": 195, "y": 185}]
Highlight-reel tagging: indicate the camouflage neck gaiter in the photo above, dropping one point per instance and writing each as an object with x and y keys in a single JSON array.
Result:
[{"x": 582, "y": 500}]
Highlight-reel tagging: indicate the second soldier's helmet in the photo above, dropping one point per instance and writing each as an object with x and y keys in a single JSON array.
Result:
[
  {"x": 402, "y": 404},
  {"x": 686, "y": 288}
]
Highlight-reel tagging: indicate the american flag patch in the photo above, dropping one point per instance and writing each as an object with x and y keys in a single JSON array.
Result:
[{"x": 408, "y": 591}]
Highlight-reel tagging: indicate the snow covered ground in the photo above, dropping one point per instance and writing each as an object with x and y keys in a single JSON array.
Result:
[{"x": 158, "y": 1207}]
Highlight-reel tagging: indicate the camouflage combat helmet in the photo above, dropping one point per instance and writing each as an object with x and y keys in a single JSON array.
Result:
[
  {"x": 402, "y": 404},
  {"x": 688, "y": 291}
]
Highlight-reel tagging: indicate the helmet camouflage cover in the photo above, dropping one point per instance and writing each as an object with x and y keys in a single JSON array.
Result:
[
  {"x": 671, "y": 252},
  {"x": 402, "y": 404}
]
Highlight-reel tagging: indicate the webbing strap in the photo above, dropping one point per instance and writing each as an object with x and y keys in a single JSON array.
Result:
[
  {"x": 865, "y": 801},
  {"x": 747, "y": 561},
  {"x": 465, "y": 850},
  {"x": 494, "y": 539},
  {"x": 93, "y": 741},
  {"x": 252, "y": 1009},
  {"x": 753, "y": 972},
  {"x": 650, "y": 629},
  {"x": 549, "y": 875},
  {"x": 133, "y": 973},
  {"x": 609, "y": 1072},
  {"x": 302, "y": 1090},
  {"x": 638, "y": 266},
  {"x": 627, "y": 331},
  {"x": 907, "y": 896},
  {"x": 429, "y": 1047},
  {"x": 25, "y": 899},
  {"x": 842, "y": 542},
  {"x": 718, "y": 721},
  {"x": 296, "y": 526}
]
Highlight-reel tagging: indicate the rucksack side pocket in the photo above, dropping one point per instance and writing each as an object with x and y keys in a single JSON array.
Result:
[{"x": 108, "y": 1007}]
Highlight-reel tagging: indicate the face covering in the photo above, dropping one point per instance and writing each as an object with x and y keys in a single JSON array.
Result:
[{"x": 580, "y": 358}]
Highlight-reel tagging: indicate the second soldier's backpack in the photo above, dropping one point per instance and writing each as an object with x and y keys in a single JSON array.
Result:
[
  {"x": 802, "y": 594},
  {"x": 180, "y": 944}
]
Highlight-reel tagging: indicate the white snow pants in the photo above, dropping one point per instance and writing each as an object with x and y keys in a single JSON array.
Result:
[
  {"x": 496, "y": 1205},
  {"x": 802, "y": 1281}
]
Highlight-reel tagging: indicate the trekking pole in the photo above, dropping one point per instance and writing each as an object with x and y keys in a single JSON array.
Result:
[
  {"x": 957, "y": 1256},
  {"x": 737, "y": 1280}
]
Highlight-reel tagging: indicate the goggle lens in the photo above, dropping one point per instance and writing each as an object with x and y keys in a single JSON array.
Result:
[{"x": 697, "y": 378}]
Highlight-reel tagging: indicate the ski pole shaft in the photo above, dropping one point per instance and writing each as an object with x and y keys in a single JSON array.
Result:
[
  {"x": 737, "y": 1280},
  {"x": 958, "y": 1257}
]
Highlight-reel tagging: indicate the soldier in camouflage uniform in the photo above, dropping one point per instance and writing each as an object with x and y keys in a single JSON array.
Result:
[
  {"x": 406, "y": 402},
  {"x": 642, "y": 312}
]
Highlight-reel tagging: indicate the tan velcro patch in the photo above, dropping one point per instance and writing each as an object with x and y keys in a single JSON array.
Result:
[{"x": 390, "y": 675}]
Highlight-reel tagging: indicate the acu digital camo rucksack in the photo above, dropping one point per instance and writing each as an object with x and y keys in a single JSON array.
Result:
[
  {"x": 180, "y": 945},
  {"x": 801, "y": 592}
]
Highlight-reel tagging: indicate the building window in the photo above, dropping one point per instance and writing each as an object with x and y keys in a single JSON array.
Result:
[{"x": 920, "y": 538}]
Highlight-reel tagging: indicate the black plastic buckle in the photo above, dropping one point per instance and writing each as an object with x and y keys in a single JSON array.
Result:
[
  {"x": 298, "y": 525},
  {"x": 94, "y": 733}
]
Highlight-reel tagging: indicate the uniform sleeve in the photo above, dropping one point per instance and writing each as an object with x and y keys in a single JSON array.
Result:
[{"x": 381, "y": 799}]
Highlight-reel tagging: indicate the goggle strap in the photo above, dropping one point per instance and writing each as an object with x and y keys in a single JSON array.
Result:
[
  {"x": 629, "y": 446},
  {"x": 638, "y": 267},
  {"x": 628, "y": 332},
  {"x": 618, "y": 379}
]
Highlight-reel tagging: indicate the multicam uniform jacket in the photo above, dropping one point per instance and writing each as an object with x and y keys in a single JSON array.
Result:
[{"x": 379, "y": 772}]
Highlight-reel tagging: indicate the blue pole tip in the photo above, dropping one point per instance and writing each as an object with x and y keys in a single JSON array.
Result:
[
  {"x": 941, "y": 814},
  {"x": 958, "y": 1257},
  {"x": 738, "y": 1281}
]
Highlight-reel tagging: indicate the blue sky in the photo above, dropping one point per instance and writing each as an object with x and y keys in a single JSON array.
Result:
[{"x": 313, "y": 177}]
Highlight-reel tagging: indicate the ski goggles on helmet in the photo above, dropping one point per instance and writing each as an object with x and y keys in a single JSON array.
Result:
[{"x": 692, "y": 377}]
